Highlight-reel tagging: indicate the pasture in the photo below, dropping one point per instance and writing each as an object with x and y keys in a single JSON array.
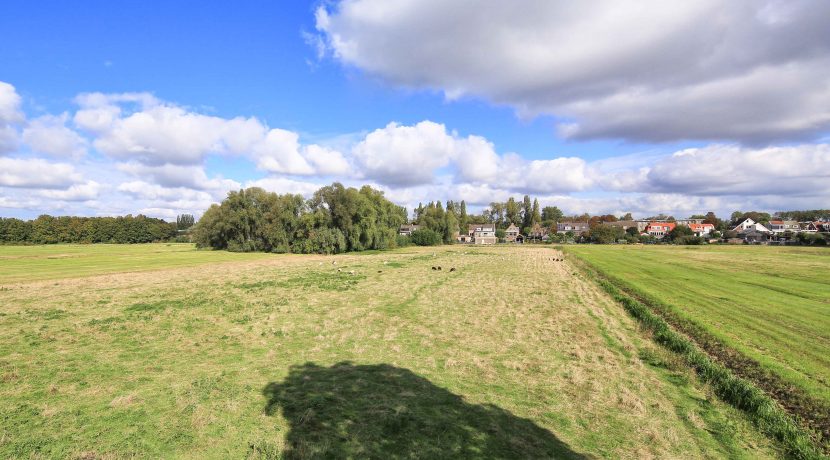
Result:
[
  {"x": 771, "y": 304},
  {"x": 268, "y": 356}
]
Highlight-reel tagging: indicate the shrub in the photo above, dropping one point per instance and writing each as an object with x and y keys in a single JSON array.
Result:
[
  {"x": 425, "y": 237},
  {"x": 403, "y": 241}
]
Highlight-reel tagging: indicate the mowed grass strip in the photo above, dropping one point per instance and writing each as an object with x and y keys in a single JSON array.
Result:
[
  {"x": 769, "y": 304},
  {"x": 511, "y": 355},
  {"x": 58, "y": 261}
]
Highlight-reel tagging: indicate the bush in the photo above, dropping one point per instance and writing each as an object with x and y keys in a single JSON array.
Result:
[
  {"x": 425, "y": 237},
  {"x": 606, "y": 234},
  {"x": 403, "y": 241},
  {"x": 689, "y": 240}
]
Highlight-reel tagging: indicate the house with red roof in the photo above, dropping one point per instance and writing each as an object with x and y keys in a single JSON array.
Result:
[
  {"x": 659, "y": 229},
  {"x": 702, "y": 229}
]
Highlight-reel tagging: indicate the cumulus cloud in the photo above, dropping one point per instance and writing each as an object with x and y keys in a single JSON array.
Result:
[
  {"x": 174, "y": 176},
  {"x": 745, "y": 70},
  {"x": 730, "y": 170},
  {"x": 284, "y": 185},
  {"x": 10, "y": 115},
  {"x": 406, "y": 156},
  {"x": 138, "y": 127},
  {"x": 37, "y": 173},
  {"x": 50, "y": 135},
  {"x": 89, "y": 190}
]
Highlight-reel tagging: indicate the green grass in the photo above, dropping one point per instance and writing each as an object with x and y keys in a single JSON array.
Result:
[
  {"x": 27, "y": 263},
  {"x": 773, "y": 304},
  {"x": 763, "y": 311},
  {"x": 512, "y": 355}
]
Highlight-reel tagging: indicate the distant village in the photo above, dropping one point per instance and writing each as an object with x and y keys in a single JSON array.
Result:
[{"x": 747, "y": 231}]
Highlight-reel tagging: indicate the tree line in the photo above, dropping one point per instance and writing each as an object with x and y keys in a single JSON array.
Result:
[
  {"x": 335, "y": 219},
  {"x": 72, "y": 229}
]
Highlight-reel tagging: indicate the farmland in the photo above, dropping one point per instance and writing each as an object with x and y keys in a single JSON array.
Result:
[
  {"x": 770, "y": 304},
  {"x": 164, "y": 351}
]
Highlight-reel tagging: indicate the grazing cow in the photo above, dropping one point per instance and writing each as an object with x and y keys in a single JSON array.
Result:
[
  {"x": 433, "y": 267},
  {"x": 452, "y": 269},
  {"x": 439, "y": 267}
]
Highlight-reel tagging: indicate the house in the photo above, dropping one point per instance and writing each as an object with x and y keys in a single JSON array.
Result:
[
  {"x": 511, "y": 234},
  {"x": 626, "y": 224},
  {"x": 689, "y": 222},
  {"x": 810, "y": 227},
  {"x": 749, "y": 224},
  {"x": 659, "y": 229},
  {"x": 407, "y": 229},
  {"x": 538, "y": 232},
  {"x": 482, "y": 233},
  {"x": 702, "y": 229},
  {"x": 778, "y": 227},
  {"x": 575, "y": 227},
  {"x": 754, "y": 236}
]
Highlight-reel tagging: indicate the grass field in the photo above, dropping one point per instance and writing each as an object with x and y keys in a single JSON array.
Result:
[
  {"x": 28, "y": 263},
  {"x": 770, "y": 304},
  {"x": 511, "y": 355}
]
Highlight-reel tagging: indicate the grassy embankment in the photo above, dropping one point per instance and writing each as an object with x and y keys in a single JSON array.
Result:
[
  {"x": 763, "y": 312},
  {"x": 512, "y": 354}
]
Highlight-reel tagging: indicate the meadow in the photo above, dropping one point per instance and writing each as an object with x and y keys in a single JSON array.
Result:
[
  {"x": 165, "y": 351},
  {"x": 768, "y": 304}
]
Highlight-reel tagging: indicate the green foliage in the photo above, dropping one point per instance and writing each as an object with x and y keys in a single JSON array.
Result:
[
  {"x": 336, "y": 219},
  {"x": 804, "y": 216},
  {"x": 550, "y": 215},
  {"x": 71, "y": 229},
  {"x": 425, "y": 237},
  {"x": 682, "y": 234},
  {"x": 606, "y": 234},
  {"x": 761, "y": 217},
  {"x": 501, "y": 234},
  {"x": 402, "y": 241},
  {"x": 185, "y": 221}
]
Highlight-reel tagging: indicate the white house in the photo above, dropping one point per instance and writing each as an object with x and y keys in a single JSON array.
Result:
[{"x": 749, "y": 224}]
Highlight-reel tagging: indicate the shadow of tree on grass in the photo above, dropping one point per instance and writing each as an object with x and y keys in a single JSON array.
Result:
[{"x": 382, "y": 411}]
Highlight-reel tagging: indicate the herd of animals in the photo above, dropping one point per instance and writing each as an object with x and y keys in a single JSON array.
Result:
[{"x": 434, "y": 267}]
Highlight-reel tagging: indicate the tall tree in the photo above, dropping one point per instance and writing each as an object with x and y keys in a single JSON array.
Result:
[
  {"x": 535, "y": 217},
  {"x": 551, "y": 215},
  {"x": 512, "y": 212},
  {"x": 463, "y": 220},
  {"x": 527, "y": 214}
]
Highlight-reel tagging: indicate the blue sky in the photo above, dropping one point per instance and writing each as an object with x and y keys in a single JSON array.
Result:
[{"x": 554, "y": 109}]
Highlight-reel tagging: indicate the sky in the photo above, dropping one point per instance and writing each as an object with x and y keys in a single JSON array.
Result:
[{"x": 599, "y": 106}]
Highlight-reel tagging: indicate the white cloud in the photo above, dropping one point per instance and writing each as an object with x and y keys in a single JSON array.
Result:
[
  {"x": 744, "y": 70},
  {"x": 173, "y": 176},
  {"x": 732, "y": 170},
  {"x": 155, "y": 133},
  {"x": 405, "y": 155},
  {"x": 283, "y": 185},
  {"x": 89, "y": 190},
  {"x": 10, "y": 115},
  {"x": 37, "y": 173},
  {"x": 49, "y": 135}
]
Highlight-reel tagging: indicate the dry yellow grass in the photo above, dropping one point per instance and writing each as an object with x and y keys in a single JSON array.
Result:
[{"x": 178, "y": 363}]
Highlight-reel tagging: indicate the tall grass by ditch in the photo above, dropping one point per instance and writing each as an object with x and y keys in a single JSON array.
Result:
[{"x": 740, "y": 393}]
